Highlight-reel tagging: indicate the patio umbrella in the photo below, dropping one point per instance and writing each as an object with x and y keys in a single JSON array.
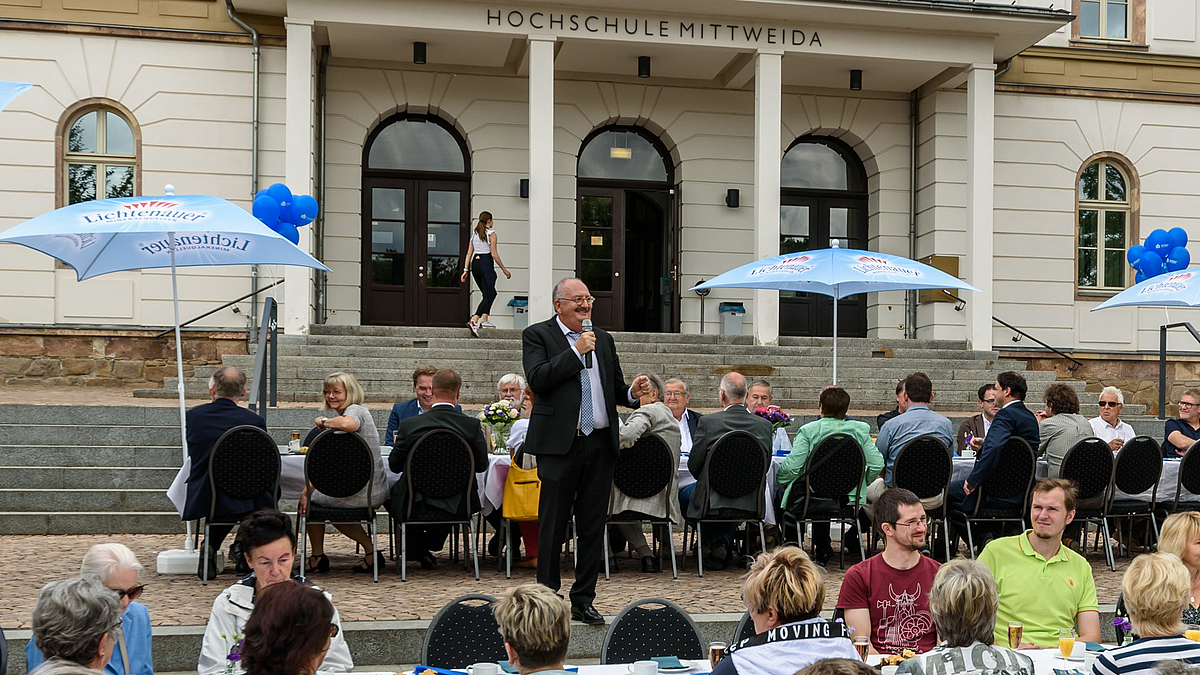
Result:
[
  {"x": 132, "y": 233},
  {"x": 836, "y": 272},
  {"x": 11, "y": 90},
  {"x": 1173, "y": 289}
]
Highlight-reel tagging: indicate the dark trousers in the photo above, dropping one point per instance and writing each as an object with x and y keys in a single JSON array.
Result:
[
  {"x": 216, "y": 535},
  {"x": 483, "y": 271},
  {"x": 714, "y": 533},
  {"x": 423, "y": 539},
  {"x": 579, "y": 481}
]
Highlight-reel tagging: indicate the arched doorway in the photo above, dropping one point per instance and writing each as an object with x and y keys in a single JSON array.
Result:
[
  {"x": 415, "y": 201},
  {"x": 626, "y": 245},
  {"x": 823, "y": 197}
]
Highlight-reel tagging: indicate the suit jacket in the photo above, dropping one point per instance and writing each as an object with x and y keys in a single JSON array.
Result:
[
  {"x": 205, "y": 424},
  {"x": 403, "y": 411},
  {"x": 710, "y": 429},
  {"x": 972, "y": 425},
  {"x": 1012, "y": 420},
  {"x": 654, "y": 419},
  {"x": 412, "y": 429},
  {"x": 693, "y": 418},
  {"x": 552, "y": 369}
]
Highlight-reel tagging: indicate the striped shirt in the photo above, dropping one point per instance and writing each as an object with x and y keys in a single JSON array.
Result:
[{"x": 1141, "y": 655}]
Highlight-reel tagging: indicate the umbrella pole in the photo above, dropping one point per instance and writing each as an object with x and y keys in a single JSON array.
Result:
[
  {"x": 187, "y": 543},
  {"x": 835, "y": 304}
]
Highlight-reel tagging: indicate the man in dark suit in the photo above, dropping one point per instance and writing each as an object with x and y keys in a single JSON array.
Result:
[
  {"x": 577, "y": 382},
  {"x": 1013, "y": 419},
  {"x": 205, "y": 424},
  {"x": 444, "y": 415},
  {"x": 677, "y": 399},
  {"x": 710, "y": 428},
  {"x": 419, "y": 404}
]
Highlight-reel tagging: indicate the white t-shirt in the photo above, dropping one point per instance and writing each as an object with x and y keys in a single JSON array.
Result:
[
  {"x": 481, "y": 246},
  {"x": 1107, "y": 432},
  {"x": 685, "y": 434}
]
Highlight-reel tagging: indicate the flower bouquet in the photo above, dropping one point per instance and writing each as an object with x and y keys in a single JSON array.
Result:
[
  {"x": 499, "y": 418},
  {"x": 775, "y": 415}
]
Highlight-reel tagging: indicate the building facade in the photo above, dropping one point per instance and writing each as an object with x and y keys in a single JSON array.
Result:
[{"x": 638, "y": 145}]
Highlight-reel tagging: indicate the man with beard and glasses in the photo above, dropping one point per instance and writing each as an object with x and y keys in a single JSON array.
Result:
[
  {"x": 1043, "y": 584},
  {"x": 886, "y": 597}
]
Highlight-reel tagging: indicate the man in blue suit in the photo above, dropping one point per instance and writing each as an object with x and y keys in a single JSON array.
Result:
[
  {"x": 418, "y": 405},
  {"x": 1013, "y": 419},
  {"x": 205, "y": 424}
]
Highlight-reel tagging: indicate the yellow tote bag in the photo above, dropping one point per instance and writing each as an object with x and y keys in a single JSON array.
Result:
[{"x": 522, "y": 490}]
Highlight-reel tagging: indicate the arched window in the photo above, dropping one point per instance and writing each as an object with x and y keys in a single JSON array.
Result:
[
  {"x": 622, "y": 154},
  {"x": 99, "y": 155},
  {"x": 1104, "y": 220},
  {"x": 416, "y": 144}
]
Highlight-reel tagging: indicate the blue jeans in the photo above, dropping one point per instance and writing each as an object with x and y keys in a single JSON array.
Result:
[{"x": 714, "y": 533}]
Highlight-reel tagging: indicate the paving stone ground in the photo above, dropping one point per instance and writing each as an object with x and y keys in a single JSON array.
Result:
[{"x": 28, "y": 562}]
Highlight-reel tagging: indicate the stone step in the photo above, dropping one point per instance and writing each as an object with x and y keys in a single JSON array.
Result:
[
  {"x": 77, "y": 456},
  {"x": 29, "y": 500},
  {"x": 88, "y": 522},
  {"x": 84, "y": 478}
]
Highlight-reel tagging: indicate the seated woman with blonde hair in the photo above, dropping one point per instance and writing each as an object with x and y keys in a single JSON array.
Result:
[
  {"x": 784, "y": 593},
  {"x": 1156, "y": 588},
  {"x": 536, "y": 626}
]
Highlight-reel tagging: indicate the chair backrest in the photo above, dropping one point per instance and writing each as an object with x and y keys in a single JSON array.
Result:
[
  {"x": 640, "y": 632},
  {"x": 1138, "y": 466},
  {"x": 923, "y": 466},
  {"x": 835, "y": 467},
  {"x": 1089, "y": 464},
  {"x": 463, "y": 632},
  {"x": 644, "y": 469},
  {"x": 440, "y": 465},
  {"x": 1013, "y": 476},
  {"x": 243, "y": 464},
  {"x": 339, "y": 464},
  {"x": 745, "y": 629},
  {"x": 1189, "y": 470},
  {"x": 736, "y": 465}
]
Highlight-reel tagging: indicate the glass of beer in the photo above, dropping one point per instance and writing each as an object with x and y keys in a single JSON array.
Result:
[
  {"x": 1192, "y": 632},
  {"x": 863, "y": 644},
  {"x": 1014, "y": 634},
  {"x": 1066, "y": 641},
  {"x": 716, "y": 652}
]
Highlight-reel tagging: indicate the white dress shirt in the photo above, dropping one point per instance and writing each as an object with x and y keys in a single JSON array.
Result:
[
  {"x": 1107, "y": 432},
  {"x": 599, "y": 410},
  {"x": 685, "y": 434},
  {"x": 987, "y": 425}
]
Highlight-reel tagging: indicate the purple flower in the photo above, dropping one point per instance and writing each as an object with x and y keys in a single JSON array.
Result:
[{"x": 1123, "y": 623}]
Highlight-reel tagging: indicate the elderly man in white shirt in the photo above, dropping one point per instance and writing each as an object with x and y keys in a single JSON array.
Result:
[
  {"x": 1108, "y": 427},
  {"x": 677, "y": 399}
]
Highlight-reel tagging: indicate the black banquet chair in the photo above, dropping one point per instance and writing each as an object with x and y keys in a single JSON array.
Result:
[
  {"x": 440, "y": 466},
  {"x": 340, "y": 465},
  {"x": 1137, "y": 470},
  {"x": 736, "y": 466},
  {"x": 643, "y": 471},
  {"x": 1189, "y": 481},
  {"x": 463, "y": 632},
  {"x": 1089, "y": 464},
  {"x": 745, "y": 628},
  {"x": 1013, "y": 478},
  {"x": 834, "y": 469},
  {"x": 641, "y": 632},
  {"x": 924, "y": 466},
  {"x": 243, "y": 464}
]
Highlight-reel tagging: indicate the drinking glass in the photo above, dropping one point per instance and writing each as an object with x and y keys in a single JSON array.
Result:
[
  {"x": 863, "y": 644},
  {"x": 1014, "y": 634},
  {"x": 1066, "y": 641},
  {"x": 1192, "y": 632},
  {"x": 716, "y": 652}
]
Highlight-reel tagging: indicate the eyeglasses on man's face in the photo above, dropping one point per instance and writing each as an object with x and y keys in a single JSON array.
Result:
[
  {"x": 1187, "y": 404},
  {"x": 131, "y": 593},
  {"x": 990, "y": 401},
  {"x": 919, "y": 522},
  {"x": 1109, "y": 404},
  {"x": 580, "y": 300}
]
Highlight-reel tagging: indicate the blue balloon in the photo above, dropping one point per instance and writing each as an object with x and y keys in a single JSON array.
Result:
[
  {"x": 1139, "y": 278},
  {"x": 1178, "y": 237},
  {"x": 1159, "y": 242},
  {"x": 289, "y": 232},
  {"x": 280, "y": 193},
  {"x": 260, "y": 193},
  {"x": 1178, "y": 259},
  {"x": 304, "y": 210},
  {"x": 1151, "y": 264},
  {"x": 266, "y": 209},
  {"x": 1134, "y": 254}
]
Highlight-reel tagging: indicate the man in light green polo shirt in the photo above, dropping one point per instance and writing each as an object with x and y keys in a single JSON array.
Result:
[{"x": 1043, "y": 584}]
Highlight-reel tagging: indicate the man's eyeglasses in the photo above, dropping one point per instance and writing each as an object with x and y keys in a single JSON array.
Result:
[
  {"x": 674, "y": 394},
  {"x": 989, "y": 401},
  {"x": 922, "y": 522},
  {"x": 1109, "y": 404},
  {"x": 581, "y": 300},
  {"x": 131, "y": 593},
  {"x": 1187, "y": 404}
]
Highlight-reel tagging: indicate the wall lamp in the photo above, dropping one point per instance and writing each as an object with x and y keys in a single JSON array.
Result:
[
  {"x": 419, "y": 53},
  {"x": 524, "y": 188},
  {"x": 733, "y": 198},
  {"x": 856, "y": 80},
  {"x": 643, "y": 66}
]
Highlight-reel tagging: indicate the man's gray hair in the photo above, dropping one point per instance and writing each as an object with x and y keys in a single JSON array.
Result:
[
  {"x": 1115, "y": 392},
  {"x": 734, "y": 386},
  {"x": 72, "y": 616},
  {"x": 103, "y": 560},
  {"x": 558, "y": 288},
  {"x": 759, "y": 383},
  {"x": 676, "y": 380},
  {"x": 656, "y": 383},
  {"x": 229, "y": 382},
  {"x": 60, "y": 667},
  {"x": 513, "y": 378}
]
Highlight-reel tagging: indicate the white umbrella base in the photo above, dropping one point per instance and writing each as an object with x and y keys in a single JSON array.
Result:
[{"x": 178, "y": 561}]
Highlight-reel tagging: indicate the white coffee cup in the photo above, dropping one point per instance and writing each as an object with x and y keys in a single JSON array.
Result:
[
  {"x": 1078, "y": 651},
  {"x": 485, "y": 669},
  {"x": 969, "y": 453},
  {"x": 294, "y": 447},
  {"x": 645, "y": 667}
]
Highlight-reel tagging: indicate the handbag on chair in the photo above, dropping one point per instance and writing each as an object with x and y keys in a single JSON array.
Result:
[{"x": 522, "y": 490}]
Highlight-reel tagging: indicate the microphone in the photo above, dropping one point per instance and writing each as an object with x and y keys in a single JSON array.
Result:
[{"x": 587, "y": 358}]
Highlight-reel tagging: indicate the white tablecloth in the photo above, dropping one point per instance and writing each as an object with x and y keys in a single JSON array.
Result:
[{"x": 1167, "y": 482}]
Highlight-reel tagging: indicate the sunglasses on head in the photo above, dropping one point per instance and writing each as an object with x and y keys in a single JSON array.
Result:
[
  {"x": 131, "y": 593},
  {"x": 1109, "y": 404}
]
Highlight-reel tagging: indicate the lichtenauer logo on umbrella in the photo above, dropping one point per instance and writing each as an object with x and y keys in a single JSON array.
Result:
[
  {"x": 198, "y": 241},
  {"x": 869, "y": 265},
  {"x": 1174, "y": 284},
  {"x": 154, "y": 210},
  {"x": 795, "y": 265}
]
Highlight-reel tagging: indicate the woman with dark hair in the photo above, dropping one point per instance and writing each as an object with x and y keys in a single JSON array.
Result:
[
  {"x": 483, "y": 250},
  {"x": 289, "y": 632},
  {"x": 270, "y": 545}
]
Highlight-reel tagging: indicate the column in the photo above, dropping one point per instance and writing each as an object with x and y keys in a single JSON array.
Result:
[
  {"x": 981, "y": 109},
  {"x": 298, "y": 169},
  {"x": 541, "y": 178},
  {"x": 768, "y": 119}
]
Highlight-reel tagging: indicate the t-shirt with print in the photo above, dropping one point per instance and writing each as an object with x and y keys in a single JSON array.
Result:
[
  {"x": 898, "y": 601},
  {"x": 974, "y": 659}
]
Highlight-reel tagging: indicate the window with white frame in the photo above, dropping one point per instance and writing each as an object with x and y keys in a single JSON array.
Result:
[
  {"x": 1104, "y": 222},
  {"x": 1104, "y": 19},
  {"x": 99, "y": 156}
]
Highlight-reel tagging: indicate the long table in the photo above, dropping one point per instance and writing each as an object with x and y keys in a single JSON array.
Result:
[{"x": 1168, "y": 482}]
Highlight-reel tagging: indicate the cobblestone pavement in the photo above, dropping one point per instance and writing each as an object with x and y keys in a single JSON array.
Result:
[{"x": 28, "y": 562}]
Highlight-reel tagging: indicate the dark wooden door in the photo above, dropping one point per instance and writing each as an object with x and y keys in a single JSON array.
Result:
[
  {"x": 600, "y": 253},
  {"x": 808, "y": 223}
]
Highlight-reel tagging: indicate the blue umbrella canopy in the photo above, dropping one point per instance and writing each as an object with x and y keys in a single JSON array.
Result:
[{"x": 1174, "y": 289}]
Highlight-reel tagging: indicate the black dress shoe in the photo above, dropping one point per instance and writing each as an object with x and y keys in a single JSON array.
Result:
[
  {"x": 494, "y": 546},
  {"x": 612, "y": 564},
  {"x": 718, "y": 559},
  {"x": 822, "y": 556},
  {"x": 427, "y": 561},
  {"x": 587, "y": 614},
  {"x": 649, "y": 564}
]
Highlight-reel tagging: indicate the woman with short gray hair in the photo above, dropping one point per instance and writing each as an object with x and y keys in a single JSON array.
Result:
[
  {"x": 963, "y": 602},
  {"x": 77, "y": 620},
  {"x": 117, "y": 568}
]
